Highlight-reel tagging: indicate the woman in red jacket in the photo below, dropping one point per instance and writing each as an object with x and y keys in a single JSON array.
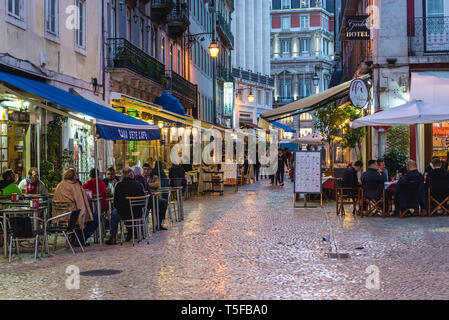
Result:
[{"x": 92, "y": 186}]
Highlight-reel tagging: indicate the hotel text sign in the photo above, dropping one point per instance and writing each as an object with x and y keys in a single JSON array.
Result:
[{"x": 357, "y": 28}]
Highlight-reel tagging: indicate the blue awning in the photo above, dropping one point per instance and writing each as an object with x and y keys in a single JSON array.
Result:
[
  {"x": 170, "y": 103},
  {"x": 111, "y": 124},
  {"x": 283, "y": 127}
]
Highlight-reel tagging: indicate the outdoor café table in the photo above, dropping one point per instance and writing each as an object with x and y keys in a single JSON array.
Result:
[{"x": 19, "y": 211}]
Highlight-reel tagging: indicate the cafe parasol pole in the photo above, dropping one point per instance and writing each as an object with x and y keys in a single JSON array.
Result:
[{"x": 96, "y": 184}]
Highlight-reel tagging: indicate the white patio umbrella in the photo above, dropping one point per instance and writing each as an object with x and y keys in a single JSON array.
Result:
[{"x": 411, "y": 113}]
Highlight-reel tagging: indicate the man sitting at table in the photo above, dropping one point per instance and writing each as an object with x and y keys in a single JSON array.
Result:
[
  {"x": 350, "y": 179},
  {"x": 373, "y": 182},
  {"x": 438, "y": 181},
  {"x": 111, "y": 180},
  {"x": 410, "y": 190},
  {"x": 128, "y": 187},
  {"x": 32, "y": 184},
  {"x": 92, "y": 187},
  {"x": 8, "y": 184}
]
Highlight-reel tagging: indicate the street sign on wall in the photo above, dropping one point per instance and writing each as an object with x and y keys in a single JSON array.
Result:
[
  {"x": 359, "y": 93},
  {"x": 228, "y": 99}
]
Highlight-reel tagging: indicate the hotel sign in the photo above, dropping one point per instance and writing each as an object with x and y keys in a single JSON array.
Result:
[
  {"x": 357, "y": 28},
  {"x": 228, "y": 99}
]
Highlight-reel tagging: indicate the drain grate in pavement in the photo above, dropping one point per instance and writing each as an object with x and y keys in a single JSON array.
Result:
[
  {"x": 334, "y": 255},
  {"x": 100, "y": 273}
]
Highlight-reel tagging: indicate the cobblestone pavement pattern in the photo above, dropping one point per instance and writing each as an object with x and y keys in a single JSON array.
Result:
[{"x": 254, "y": 245}]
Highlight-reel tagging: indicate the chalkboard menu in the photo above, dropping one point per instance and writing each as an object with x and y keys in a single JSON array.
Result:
[{"x": 308, "y": 172}]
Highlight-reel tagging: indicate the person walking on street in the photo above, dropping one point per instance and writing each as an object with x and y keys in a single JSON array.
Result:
[{"x": 282, "y": 162}]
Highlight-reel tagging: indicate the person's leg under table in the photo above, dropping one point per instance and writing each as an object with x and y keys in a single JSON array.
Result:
[{"x": 89, "y": 229}]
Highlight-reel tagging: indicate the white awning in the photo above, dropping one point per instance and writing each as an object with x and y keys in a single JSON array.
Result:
[{"x": 310, "y": 103}]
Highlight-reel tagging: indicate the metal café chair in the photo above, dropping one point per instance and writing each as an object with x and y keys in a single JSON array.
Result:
[
  {"x": 22, "y": 230},
  {"x": 172, "y": 207},
  {"x": 139, "y": 211},
  {"x": 67, "y": 227}
]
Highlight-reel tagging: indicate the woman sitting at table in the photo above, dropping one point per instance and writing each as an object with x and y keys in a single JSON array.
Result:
[
  {"x": 32, "y": 184},
  {"x": 8, "y": 184},
  {"x": 70, "y": 190},
  {"x": 92, "y": 187}
]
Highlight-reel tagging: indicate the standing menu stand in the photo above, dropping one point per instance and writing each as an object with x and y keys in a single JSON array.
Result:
[{"x": 308, "y": 175}]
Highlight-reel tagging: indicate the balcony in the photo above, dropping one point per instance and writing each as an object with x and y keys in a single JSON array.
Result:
[
  {"x": 224, "y": 29},
  {"x": 225, "y": 74},
  {"x": 122, "y": 54},
  {"x": 254, "y": 77},
  {"x": 160, "y": 9},
  {"x": 181, "y": 87},
  {"x": 428, "y": 36},
  {"x": 178, "y": 21}
]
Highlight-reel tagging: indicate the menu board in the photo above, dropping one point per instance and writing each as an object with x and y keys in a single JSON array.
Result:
[{"x": 308, "y": 172}]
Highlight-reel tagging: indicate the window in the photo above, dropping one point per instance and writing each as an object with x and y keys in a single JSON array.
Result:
[
  {"x": 15, "y": 8},
  {"x": 142, "y": 34},
  {"x": 305, "y": 22},
  {"x": 286, "y": 4},
  {"x": 286, "y": 88},
  {"x": 179, "y": 61},
  {"x": 128, "y": 24},
  {"x": 259, "y": 96},
  {"x": 305, "y": 3},
  {"x": 435, "y": 17},
  {"x": 304, "y": 87},
  {"x": 80, "y": 34},
  {"x": 163, "y": 49},
  {"x": 285, "y": 22},
  {"x": 51, "y": 16},
  {"x": 171, "y": 57},
  {"x": 285, "y": 46},
  {"x": 305, "y": 45}
]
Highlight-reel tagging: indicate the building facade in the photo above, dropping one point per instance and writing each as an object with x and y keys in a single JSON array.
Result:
[
  {"x": 251, "y": 61},
  {"x": 47, "y": 41},
  {"x": 302, "y": 52},
  {"x": 408, "y": 60}
]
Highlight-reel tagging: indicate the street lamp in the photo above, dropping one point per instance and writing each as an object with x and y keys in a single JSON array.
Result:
[
  {"x": 316, "y": 79},
  {"x": 251, "y": 97},
  {"x": 214, "y": 49}
]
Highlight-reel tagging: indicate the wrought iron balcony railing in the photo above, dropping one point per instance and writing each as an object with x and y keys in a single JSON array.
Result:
[
  {"x": 123, "y": 54},
  {"x": 178, "y": 21},
  {"x": 225, "y": 74},
  {"x": 160, "y": 9},
  {"x": 177, "y": 83},
  {"x": 255, "y": 77},
  {"x": 428, "y": 35},
  {"x": 225, "y": 28}
]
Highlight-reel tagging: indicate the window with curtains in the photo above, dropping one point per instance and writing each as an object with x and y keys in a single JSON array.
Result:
[
  {"x": 285, "y": 44},
  {"x": 51, "y": 16},
  {"x": 286, "y": 4},
  {"x": 304, "y": 44},
  {"x": 285, "y": 22}
]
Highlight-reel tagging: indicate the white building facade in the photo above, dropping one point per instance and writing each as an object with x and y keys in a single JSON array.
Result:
[
  {"x": 302, "y": 48},
  {"x": 251, "y": 61}
]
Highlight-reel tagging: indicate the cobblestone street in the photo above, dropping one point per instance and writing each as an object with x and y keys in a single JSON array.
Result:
[{"x": 253, "y": 245}]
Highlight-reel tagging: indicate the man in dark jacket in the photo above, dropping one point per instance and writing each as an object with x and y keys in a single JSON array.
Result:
[
  {"x": 177, "y": 176},
  {"x": 350, "y": 179},
  {"x": 128, "y": 187},
  {"x": 438, "y": 181},
  {"x": 410, "y": 190},
  {"x": 373, "y": 182},
  {"x": 282, "y": 162}
]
